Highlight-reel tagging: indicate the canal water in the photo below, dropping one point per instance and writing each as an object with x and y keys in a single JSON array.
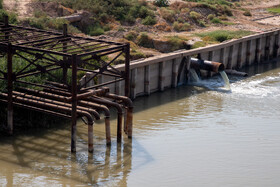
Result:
[{"x": 189, "y": 136}]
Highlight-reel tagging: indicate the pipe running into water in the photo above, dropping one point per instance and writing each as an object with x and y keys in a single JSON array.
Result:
[{"x": 80, "y": 103}]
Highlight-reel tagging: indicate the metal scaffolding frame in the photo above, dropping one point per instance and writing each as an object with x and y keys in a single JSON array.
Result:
[{"x": 60, "y": 56}]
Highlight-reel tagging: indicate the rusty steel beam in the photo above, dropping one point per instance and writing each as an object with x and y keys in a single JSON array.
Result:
[
  {"x": 62, "y": 99},
  {"x": 10, "y": 89},
  {"x": 109, "y": 103},
  {"x": 74, "y": 104}
]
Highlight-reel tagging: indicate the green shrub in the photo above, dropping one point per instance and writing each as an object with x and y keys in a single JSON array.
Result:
[
  {"x": 201, "y": 23},
  {"x": 194, "y": 15},
  {"x": 198, "y": 44},
  {"x": 222, "y": 35},
  {"x": 168, "y": 14},
  {"x": 149, "y": 20},
  {"x": 131, "y": 36},
  {"x": 129, "y": 19},
  {"x": 226, "y": 10},
  {"x": 274, "y": 10},
  {"x": 134, "y": 55},
  {"x": 12, "y": 16},
  {"x": 247, "y": 13},
  {"x": 210, "y": 16},
  {"x": 181, "y": 26},
  {"x": 216, "y": 20},
  {"x": 95, "y": 30},
  {"x": 176, "y": 43},
  {"x": 161, "y": 3},
  {"x": 144, "y": 40}
]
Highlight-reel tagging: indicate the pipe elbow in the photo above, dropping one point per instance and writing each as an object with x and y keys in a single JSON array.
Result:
[
  {"x": 128, "y": 102},
  {"x": 89, "y": 117},
  {"x": 105, "y": 109}
]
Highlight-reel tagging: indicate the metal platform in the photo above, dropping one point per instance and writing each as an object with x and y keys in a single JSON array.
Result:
[{"x": 60, "y": 58}]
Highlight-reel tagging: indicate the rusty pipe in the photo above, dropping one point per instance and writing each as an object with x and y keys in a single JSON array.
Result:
[
  {"x": 129, "y": 111},
  {"x": 80, "y": 103},
  {"x": 52, "y": 107},
  {"x": 207, "y": 65},
  {"x": 39, "y": 109},
  {"x": 91, "y": 111},
  {"x": 115, "y": 105},
  {"x": 63, "y": 98},
  {"x": 106, "y": 118},
  {"x": 49, "y": 106}
]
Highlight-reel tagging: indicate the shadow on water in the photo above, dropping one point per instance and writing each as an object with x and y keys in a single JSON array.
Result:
[{"x": 47, "y": 153}]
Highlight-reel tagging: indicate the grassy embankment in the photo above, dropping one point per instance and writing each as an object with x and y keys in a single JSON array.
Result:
[{"x": 274, "y": 10}]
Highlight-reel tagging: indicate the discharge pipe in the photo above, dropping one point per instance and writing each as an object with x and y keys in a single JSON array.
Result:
[{"x": 207, "y": 65}]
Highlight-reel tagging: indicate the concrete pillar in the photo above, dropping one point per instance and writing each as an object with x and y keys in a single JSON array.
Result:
[
  {"x": 133, "y": 83},
  {"x": 258, "y": 50},
  {"x": 147, "y": 89},
  {"x": 229, "y": 64},
  {"x": 175, "y": 65},
  {"x": 239, "y": 55},
  {"x": 248, "y": 52},
  {"x": 161, "y": 76}
]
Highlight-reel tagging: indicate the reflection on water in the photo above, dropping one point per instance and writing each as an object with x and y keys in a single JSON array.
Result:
[
  {"x": 45, "y": 159},
  {"x": 190, "y": 136}
]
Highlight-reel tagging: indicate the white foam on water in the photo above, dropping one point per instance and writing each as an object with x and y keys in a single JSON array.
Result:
[{"x": 258, "y": 86}]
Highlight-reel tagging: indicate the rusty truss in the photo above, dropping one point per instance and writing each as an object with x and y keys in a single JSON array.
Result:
[{"x": 41, "y": 71}]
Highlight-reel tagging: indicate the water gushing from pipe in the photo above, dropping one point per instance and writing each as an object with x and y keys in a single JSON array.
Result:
[
  {"x": 193, "y": 76},
  {"x": 226, "y": 80}
]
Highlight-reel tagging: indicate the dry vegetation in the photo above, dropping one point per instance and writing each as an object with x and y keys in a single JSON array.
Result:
[{"x": 160, "y": 25}]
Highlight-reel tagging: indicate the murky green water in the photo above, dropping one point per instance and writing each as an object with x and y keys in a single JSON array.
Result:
[{"x": 190, "y": 136}]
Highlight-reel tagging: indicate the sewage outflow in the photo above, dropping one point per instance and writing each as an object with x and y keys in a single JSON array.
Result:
[{"x": 195, "y": 80}]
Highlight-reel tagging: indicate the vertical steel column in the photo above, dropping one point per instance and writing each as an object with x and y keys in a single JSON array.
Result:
[
  {"x": 129, "y": 121},
  {"x": 258, "y": 52},
  {"x": 276, "y": 46},
  {"x": 119, "y": 128},
  {"x": 161, "y": 77},
  {"x": 108, "y": 130},
  {"x": 267, "y": 48},
  {"x": 90, "y": 138},
  {"x": 127, "y": 70},
  {"x": 64, "y": 75},
  {"x": 230, "y": 53},
  {"x": 248, "y": 53},
  {"x": 175, "y": 63},
  {"x": 239, "y": 55},
  {"x": 10, "y": 88},
  {"x": 147, "y": 80},
  {"x": 74, "y": 103}
]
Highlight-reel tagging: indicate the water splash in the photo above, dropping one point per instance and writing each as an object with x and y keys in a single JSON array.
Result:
[
  {"x": 226, "y": 80},
  {"x": 193, "y": 76}
]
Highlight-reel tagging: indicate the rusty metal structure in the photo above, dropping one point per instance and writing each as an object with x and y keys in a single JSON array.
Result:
[{"x": 60, "y": 58}]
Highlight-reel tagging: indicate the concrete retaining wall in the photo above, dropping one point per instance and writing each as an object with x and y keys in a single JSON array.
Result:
[{"x": 169, "y": 70}]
